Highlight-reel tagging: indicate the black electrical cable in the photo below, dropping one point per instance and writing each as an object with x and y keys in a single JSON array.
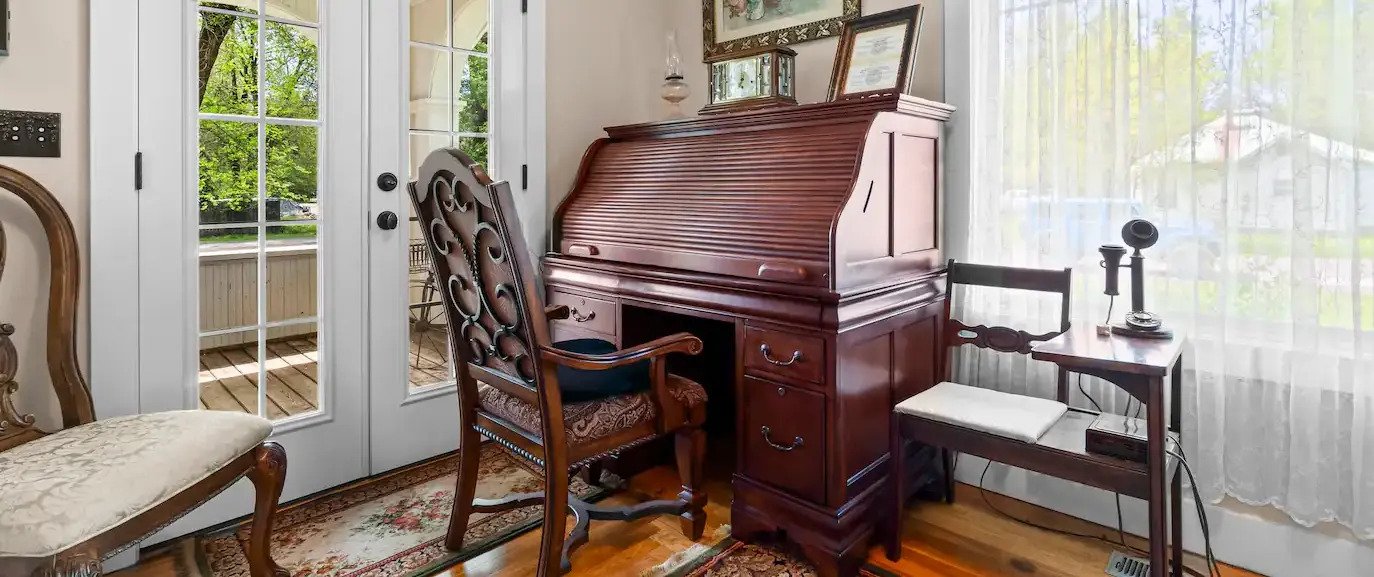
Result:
[
  {"x": 1085, "y": 394},
  {"x": 1214, "y": 571},
  {"x": 1201, "y": 512}
]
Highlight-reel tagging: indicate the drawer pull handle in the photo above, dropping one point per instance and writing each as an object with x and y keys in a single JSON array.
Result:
[
  {"x": 581, "y": 318},
  {"x": 796, "y": 441},
  {"x": 768, "y": 356}
]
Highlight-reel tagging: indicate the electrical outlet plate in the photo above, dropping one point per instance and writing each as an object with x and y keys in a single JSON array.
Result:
[{"x": 30, "y": 133}]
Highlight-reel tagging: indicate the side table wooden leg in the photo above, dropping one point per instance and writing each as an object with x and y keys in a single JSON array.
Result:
[
  {"x": 1158, "y": 482},
  {"x": 1176, "y": 523}
]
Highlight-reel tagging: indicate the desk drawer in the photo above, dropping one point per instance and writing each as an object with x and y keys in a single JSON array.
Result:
[
  {"x": 785, "y": 354},
  {"x": 784, "y": 438},
  {"x": 588, "y": 314}
]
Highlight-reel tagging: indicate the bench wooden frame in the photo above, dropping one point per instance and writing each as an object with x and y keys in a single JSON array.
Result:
[
  {"x": 264, "y": 465},
  {"x": 1137, "y": 366}
]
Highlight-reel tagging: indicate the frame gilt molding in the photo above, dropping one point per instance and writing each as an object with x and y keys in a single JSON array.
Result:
[{"x": 817, "y": 30}]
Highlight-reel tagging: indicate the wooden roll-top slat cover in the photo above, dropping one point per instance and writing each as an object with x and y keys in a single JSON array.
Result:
[{"x": 804, "y": 195}]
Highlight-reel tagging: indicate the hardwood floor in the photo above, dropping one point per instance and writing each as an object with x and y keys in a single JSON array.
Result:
[{"x": 962, "y": 540}]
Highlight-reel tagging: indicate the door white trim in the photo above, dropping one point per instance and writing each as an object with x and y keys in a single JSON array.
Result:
[{"x": 114, "y": 208}]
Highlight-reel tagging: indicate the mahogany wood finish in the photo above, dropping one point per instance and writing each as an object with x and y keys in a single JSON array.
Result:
[
  {"x": 1138, "y": 366},
  {"x": 265, "y": 465},
  {"x": 813, "y": 233},
  {"x": 503, "y": 339}
]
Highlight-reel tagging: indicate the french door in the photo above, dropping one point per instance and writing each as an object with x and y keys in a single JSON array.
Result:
[
  {"x": 443, "y": 73},
  {"x": 267, "y": 284}
]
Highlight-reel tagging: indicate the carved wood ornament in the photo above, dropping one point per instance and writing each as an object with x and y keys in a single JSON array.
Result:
[{"x": 73, "y": 395}]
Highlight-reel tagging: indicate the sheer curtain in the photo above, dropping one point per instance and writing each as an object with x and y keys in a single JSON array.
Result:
[{"x": 1245, "y": 130}]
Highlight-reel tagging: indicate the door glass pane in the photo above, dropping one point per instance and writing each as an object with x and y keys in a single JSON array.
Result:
[
  {"x": 423, "y": 143},
  {"x": 475, "y": 147},
  {"x": 299, "y": 10},
  {"x": 260, "y": 209},
  {"x": 470, "y": 19},
  {"x": 291, "y": 74},
  {"x": 228, "y": 175},
  {"x": 228, "y": 372},
  {"x": 292, "y": 368},
  {"x": 429, "y": 352},
  {"x": 228, "y": 293},
  {"x": 449, "y": 105},
  {"x": 431, "y": 90},
  {"x": 227, "y": 64},
  {"x": 427, "y": 18},
  {"x": 470, "y": 110}
]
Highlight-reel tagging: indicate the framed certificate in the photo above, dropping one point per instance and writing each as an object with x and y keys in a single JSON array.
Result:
[{"x": 876, "y": 54}]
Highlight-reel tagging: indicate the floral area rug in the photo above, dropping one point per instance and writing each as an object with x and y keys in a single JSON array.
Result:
[
  {"x": 732, "y": 558},
  {"x": 389, "y": 526}
]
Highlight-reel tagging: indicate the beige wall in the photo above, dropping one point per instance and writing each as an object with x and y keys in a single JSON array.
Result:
[
  {"x": 604, "y": 71},
  {"x": 604, "y": 66},
  {"x": 45, "y": 71}
]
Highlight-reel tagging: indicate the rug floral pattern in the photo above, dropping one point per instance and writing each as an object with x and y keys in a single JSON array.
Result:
[{"x": 387, "y": 527}]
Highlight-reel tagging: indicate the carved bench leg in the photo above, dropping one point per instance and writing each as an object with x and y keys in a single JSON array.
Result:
[
  {"x": 268, "y": 476},
  {"x": 691, "y": 460}
]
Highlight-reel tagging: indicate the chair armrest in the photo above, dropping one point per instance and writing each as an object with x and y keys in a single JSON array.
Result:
[
  {"x": 557, "y": 312},
  {"x": 678, "y": 343}
]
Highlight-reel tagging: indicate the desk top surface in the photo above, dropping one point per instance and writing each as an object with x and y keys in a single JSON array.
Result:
[{"x": 1082, "y": 348}]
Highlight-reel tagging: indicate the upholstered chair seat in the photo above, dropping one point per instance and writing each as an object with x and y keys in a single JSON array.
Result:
[
  {"x": 68, "y": 487},
  {"x": 588, "y": 421}
]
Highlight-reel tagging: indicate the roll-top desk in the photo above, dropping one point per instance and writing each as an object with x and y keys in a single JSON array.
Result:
[{"x": 811, "y": 236}]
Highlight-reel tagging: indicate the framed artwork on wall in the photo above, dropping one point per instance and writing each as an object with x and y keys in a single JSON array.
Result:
[
  {"x": 877, "y": 54},
  {"x": 732, "y": 26}
]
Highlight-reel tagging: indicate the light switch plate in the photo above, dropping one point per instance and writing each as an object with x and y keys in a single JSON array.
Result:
[{"x": 30, "y": 133}]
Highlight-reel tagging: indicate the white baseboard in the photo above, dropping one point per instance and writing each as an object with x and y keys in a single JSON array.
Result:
[{"x": 1261, "y": 539}]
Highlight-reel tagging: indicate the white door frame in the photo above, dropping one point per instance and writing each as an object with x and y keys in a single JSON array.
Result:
[
  {"x": 140, "y": 89},
  {"x": 117, "y": 306}
]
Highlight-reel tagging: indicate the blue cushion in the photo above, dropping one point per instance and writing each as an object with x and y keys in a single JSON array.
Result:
[{"x": 578, "y": 385}]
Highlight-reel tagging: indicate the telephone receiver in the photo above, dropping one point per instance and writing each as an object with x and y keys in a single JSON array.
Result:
[{"x": 1139, "y": 234}]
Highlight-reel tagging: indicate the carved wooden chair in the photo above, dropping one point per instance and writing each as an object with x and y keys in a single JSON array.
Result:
[
  {"x": 509, "y": 371},
  {"x": 74, "y": 497},
  {"x": 1000, "y": 426}
]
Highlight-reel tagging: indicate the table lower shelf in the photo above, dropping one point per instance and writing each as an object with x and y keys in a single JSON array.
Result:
[{"x": 1060, "y": 452}]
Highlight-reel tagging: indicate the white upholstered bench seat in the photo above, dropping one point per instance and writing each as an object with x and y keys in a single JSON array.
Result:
[
  {"x": 1004, "y": 414},
  {"x": 63, "y": 489}
]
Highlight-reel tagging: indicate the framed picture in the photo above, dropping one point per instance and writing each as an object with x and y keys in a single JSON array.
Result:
[
  {"x": 732, "y": 26},
  {"x": 876, "y": 54}
]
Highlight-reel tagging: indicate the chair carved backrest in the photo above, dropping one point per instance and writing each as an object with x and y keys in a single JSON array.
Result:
[
  {"x": 497, "y": 321},
  {"x": 1006, "y": 339},
  {"x": 73, "y": 395}
]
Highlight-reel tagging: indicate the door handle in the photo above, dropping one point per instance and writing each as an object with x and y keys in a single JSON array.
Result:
[
  {"x": 386, "y": 181},
  {"x": 387, "y": 220}
]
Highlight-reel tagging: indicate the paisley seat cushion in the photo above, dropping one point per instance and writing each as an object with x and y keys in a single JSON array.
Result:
[
  {"x": 591, "y": 420},
  {"x": 65, "y": 488},
  {"x": 578, "y": 385}
]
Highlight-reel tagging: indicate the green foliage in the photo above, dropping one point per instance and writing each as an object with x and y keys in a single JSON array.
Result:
[
  {"x": 228, "y": 178},
  {"x": 472, "y": 104}
]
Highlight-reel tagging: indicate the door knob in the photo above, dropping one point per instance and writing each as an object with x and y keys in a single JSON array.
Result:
[
  {"x": 386, "y": 181},
  {"x": 387, "y": 220}
]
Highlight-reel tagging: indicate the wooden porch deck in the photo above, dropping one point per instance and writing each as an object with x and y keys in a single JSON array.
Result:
[{"x": 229, "y": 376}]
